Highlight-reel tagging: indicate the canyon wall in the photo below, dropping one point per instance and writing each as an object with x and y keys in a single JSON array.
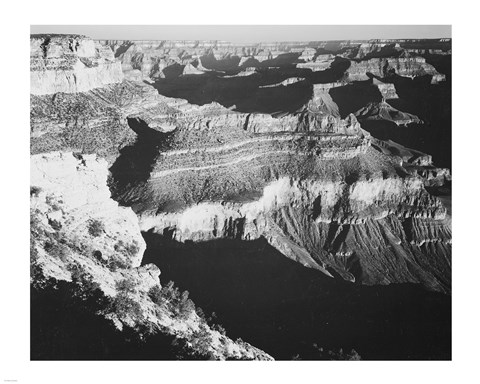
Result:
[
  {"x": 158, "y": 59},
  {"x": 79, "y": 234},
  {"x": 78, "y": 230},
  {"x": 60, "y": 63},
  {"x": 309, "y": 179}
]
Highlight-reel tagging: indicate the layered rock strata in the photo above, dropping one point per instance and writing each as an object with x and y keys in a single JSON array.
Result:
[
  {"x": 309, "y": 181},
  {"x": 70, "y": 64},
  {"x": 156, "y": 59},
  {"x": 95, "y": 121},
  {"x": 227, "y": 174},
  {"x": 300, "y": 208},
  {"x": 387, "y": 90},
  {"x": 385, "y": 67}
]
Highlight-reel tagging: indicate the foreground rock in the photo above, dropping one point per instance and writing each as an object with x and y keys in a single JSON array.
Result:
[{"x": 80, "y": 235}]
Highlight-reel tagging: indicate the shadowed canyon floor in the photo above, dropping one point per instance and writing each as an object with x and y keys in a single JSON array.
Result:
[{"x": 284, "y": 308}]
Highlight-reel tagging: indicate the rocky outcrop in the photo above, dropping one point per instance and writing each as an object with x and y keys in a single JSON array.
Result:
[
  {"x": 321, "y": 101},
  {"x": 308, "y": 54},
  {"x": 387, "y": 90},
  {"x": 384, "y": 67},
  {"x": 299, "y": 215},
  {"x": 189, "y": 69},
  {"x": 320, "y": 63},
  {"x": 384, "y": 111},
  {"x": 290, "y": 80},
  {"x": 70, "y": 193},
  {"x": 70, "y": 64},
  {"x": 373, "y": 49},
  {"x": 78, "y": 231},
  {"x": 95, "y": 121},
  {"x": 406, "y": 155}
]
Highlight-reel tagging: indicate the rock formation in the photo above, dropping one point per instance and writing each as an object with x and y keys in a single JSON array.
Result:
[
  {"x": 77, "y": 226},
  {"x": 384, "y": 67},
  {"x": 387, "y": 90},
  {"x": 321, "y": 63},
  {"x": 157, "y": 59},
  {"x": 384, "y": 111},
  {"x": 70, "y": 64},
  {"x": 78, "y": 230},
  {"x": 303, "y": 173},
  {"x": 284, "y": 167}
]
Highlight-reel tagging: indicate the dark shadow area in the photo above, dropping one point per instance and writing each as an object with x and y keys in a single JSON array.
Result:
[
  {"x": 64, "y": 326},
  {"x": 173, "y": 71},
  {"x": 430, "y": 102},
  {"x": 122, "y": 48},
  {"x": 284, "y": 59},
  {"x": 442, "y": 63},
  {"x": 136, "y": 161},
  {"x": 355, "y": 96},
  {"x": 244, "y": 92},
  {"x": 284, "y": 308},
  {"x": 427, "y": 44},
  {"x": 229, "y": 64}
]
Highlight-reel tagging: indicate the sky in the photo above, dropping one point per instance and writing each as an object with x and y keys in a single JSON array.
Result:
[{"x": 249, "y": 33}]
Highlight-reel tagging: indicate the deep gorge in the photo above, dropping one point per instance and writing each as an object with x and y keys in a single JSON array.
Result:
[{"x": 284, "y": 308}]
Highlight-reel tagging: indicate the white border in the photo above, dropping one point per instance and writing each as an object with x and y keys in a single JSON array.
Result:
[{"x": 16, "y": 20}]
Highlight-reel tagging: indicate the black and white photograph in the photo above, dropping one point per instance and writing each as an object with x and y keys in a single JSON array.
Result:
[
  {"x": 222, "y": 200},
  {"x": 239, "y": 192}
]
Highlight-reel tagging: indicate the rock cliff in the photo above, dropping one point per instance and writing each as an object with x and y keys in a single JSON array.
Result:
[
  {"x": 70, "y": 64},
  {"x": 159, "y": 59},
  {"x": 78, "y": 230},
  {"x": 384, "y": 67},
  {"x": 292, "y": 179}
]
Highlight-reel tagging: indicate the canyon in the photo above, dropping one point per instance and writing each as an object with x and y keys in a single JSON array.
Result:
[{"x": 215, "y": 164}]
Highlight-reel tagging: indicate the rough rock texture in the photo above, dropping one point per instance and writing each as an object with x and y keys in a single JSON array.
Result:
[
  {"x": 321, "y": 63},
  {"x": 71, "y": 192},
  {"x": 384, "y": 67},
  {"x": 219, "y": 177},
  {"x": 94, "y": 121},
  {"x": 66, "y": 63},
  {"x": 158, "y": 59},
  {"x": 306, "y": 179},
  {"x": 387, "y": 90},
  {"x": 373, "y": 49},
  {"x": 384, "y": 111},
  {"x": 299, "y": 215},
  {"x": 76, "y": 226}
]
